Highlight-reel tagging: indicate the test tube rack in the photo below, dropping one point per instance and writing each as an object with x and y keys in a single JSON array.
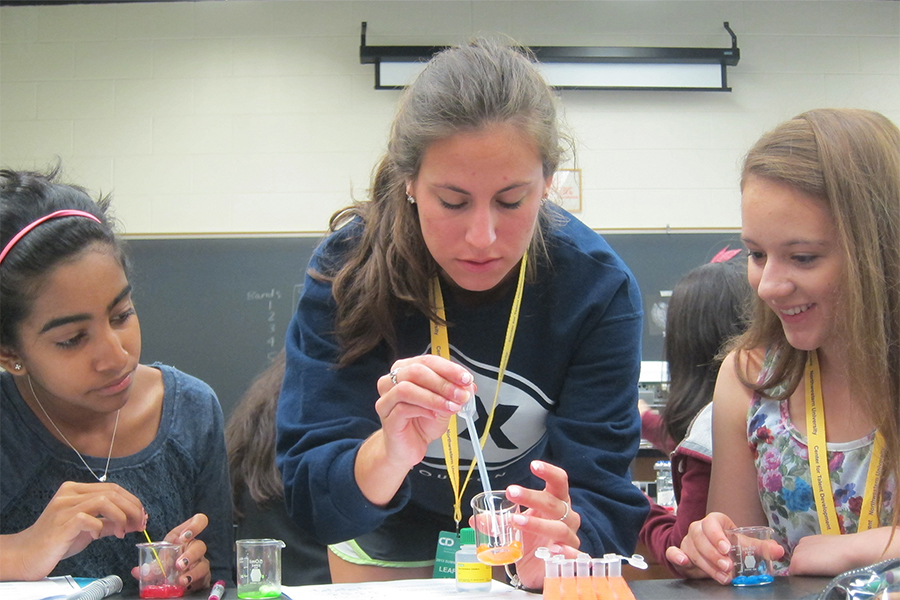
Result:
[{"x": 586, "y": 578}]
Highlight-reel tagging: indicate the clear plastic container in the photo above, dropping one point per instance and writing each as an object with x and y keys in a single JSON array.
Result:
[{"x": 665, "y": 491}]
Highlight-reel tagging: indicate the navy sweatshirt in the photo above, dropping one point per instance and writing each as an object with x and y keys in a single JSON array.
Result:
[{"x": 569, "y": 397}]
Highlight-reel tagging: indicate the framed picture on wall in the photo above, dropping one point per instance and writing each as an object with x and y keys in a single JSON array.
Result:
[{"x": 567, "y": 183}]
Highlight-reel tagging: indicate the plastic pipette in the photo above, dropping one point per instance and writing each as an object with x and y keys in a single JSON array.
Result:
[
  {"x": 155, "y": 555},
  {"x": 468, "y": 414}
]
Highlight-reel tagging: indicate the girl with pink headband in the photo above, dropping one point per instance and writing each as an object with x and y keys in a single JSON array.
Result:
[{"x": 95, "y": 448}]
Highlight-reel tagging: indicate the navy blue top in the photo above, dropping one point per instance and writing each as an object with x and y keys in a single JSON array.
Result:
[
  {"x": 569, "y": 397},
  {"x": 183, "y": 471}
]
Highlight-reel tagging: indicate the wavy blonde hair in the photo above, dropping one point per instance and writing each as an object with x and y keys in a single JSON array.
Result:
[{"x": 850, "y": 160}]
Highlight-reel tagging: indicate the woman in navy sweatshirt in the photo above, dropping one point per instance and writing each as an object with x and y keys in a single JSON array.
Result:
[{"x": 458, "y": 280}]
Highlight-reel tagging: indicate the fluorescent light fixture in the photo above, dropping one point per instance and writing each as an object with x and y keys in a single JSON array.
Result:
[{"x": 582, "y": 67}]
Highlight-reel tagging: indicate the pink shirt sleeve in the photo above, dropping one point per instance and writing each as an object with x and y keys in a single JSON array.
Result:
[{"x": 652, "y": 430}]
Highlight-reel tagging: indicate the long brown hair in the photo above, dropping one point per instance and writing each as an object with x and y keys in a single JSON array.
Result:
[
  {"x": 250, "y": 439},
  {"x": 462, "y": 89},
  {"x": 850, "y": 160},
  {"x": 707, "y": 309}
]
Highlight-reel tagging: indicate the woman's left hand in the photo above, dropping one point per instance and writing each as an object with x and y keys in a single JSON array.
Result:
[
  {"x": 192, "y": 564},
  {"x": 550, "y": 521}
]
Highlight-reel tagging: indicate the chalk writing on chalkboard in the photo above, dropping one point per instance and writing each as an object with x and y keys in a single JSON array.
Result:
[{"x": 267, "y": 301}]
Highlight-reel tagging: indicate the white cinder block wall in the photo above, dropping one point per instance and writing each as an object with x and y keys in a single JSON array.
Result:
[{"x": 255, "y": 115}]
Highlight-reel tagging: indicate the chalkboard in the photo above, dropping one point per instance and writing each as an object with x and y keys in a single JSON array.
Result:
[{"x": 218, "y": 308}]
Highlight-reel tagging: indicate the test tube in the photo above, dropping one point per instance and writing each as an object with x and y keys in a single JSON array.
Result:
[
  {"x": 552, "y": 589},
  {"x": 616, "y": 581},
  {"x": 567, "y": 579},
  {"x": 600, "y": 582},
  {"x": 583, "y": 577}
]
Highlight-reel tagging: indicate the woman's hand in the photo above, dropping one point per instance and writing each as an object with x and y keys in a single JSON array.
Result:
[
  {"x": 78, "y": 514},
  {"x": 415, "y": 410},
  {"x": 550, "y": 521},
  {"x": 192, "y": 564},
  {"x": 704, "y": 550},
  {"x": 418, "y": 397}
]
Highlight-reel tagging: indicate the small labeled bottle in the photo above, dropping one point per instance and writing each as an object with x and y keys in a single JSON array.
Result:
[
  {"x": 471, "y": 574},
  {"x": 665, "y": 491}
]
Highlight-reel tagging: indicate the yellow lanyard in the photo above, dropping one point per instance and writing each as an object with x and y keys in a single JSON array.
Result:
[
  {"x": 818, "y": 460},
  {"x": 440, "y": 346}
]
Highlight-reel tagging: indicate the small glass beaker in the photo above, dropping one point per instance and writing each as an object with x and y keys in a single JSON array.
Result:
[
  {"x": 259, "y": 568},
  {"x": 497, "y": 542},
  {"x": 751, "y": 555},
  {"x": 158, "y": 577}
]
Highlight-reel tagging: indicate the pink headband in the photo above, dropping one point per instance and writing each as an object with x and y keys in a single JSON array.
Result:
[
  {"x": 724, "y": 255},
  {"x": 54, "y": 215}
]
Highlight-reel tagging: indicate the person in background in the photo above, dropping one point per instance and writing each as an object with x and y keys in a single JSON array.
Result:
[
  {"x": 95, "y": 448},
  {"x": 259, "y": 510},
  {"x": 809, "y": 396},
  {"x": 707, "y": 309},
  {"x": 542, "y": 323}
]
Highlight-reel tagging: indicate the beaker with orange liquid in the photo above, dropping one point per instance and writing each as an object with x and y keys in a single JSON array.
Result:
[{"x": 497, "y": 541}]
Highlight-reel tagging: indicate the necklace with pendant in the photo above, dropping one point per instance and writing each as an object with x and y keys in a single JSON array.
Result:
[{"x": 62, "y": 435}]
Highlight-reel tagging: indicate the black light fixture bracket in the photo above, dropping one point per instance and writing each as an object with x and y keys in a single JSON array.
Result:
[{"x": 712, "y": 60}]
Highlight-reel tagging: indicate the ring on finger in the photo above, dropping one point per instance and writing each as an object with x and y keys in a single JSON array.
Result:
[
  {"x": 393, "y": 375},
  {"x": 563, "y": 518}
]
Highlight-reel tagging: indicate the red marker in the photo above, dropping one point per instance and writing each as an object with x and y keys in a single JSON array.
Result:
[{"x": 217, "y": 591}]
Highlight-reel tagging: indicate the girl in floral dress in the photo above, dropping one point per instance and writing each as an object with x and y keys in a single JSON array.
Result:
[{"x": 806, "y": 410}]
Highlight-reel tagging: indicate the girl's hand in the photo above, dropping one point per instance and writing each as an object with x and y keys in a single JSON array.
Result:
[
  {"x": 550, "y": 521},
  {"x": 192, "y": 564},
  {"x": 704, "y": 550},
  {"x": 78, "y": 514},
  {"x": 831, "y": 555}
]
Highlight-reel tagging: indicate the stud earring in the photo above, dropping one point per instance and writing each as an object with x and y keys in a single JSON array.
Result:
[
  {"x": 18, "y": 366},
  {"x": 410, "y": 199}
]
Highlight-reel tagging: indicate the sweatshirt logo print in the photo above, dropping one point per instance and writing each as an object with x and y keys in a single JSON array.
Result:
[
  {"x": 502, "y": 415},
  {"x": 520, "y": 419}
]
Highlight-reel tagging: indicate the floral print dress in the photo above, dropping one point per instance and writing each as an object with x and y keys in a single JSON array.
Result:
[{"x": 785, "y": 488}]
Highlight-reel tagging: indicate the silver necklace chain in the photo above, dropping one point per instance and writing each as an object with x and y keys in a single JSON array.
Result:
[{"x": 111, "y": 442}]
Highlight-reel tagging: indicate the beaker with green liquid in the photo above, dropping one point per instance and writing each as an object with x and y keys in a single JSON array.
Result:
[{"x": 259, "y": 568}]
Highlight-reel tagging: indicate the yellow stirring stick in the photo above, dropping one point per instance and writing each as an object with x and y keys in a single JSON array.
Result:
[{"x": 153, "y": 550}]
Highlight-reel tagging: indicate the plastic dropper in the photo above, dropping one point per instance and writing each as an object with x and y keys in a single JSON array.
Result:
[
  {"x": 468, "y": 414},
  {"x": 155, "y": 555}
]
